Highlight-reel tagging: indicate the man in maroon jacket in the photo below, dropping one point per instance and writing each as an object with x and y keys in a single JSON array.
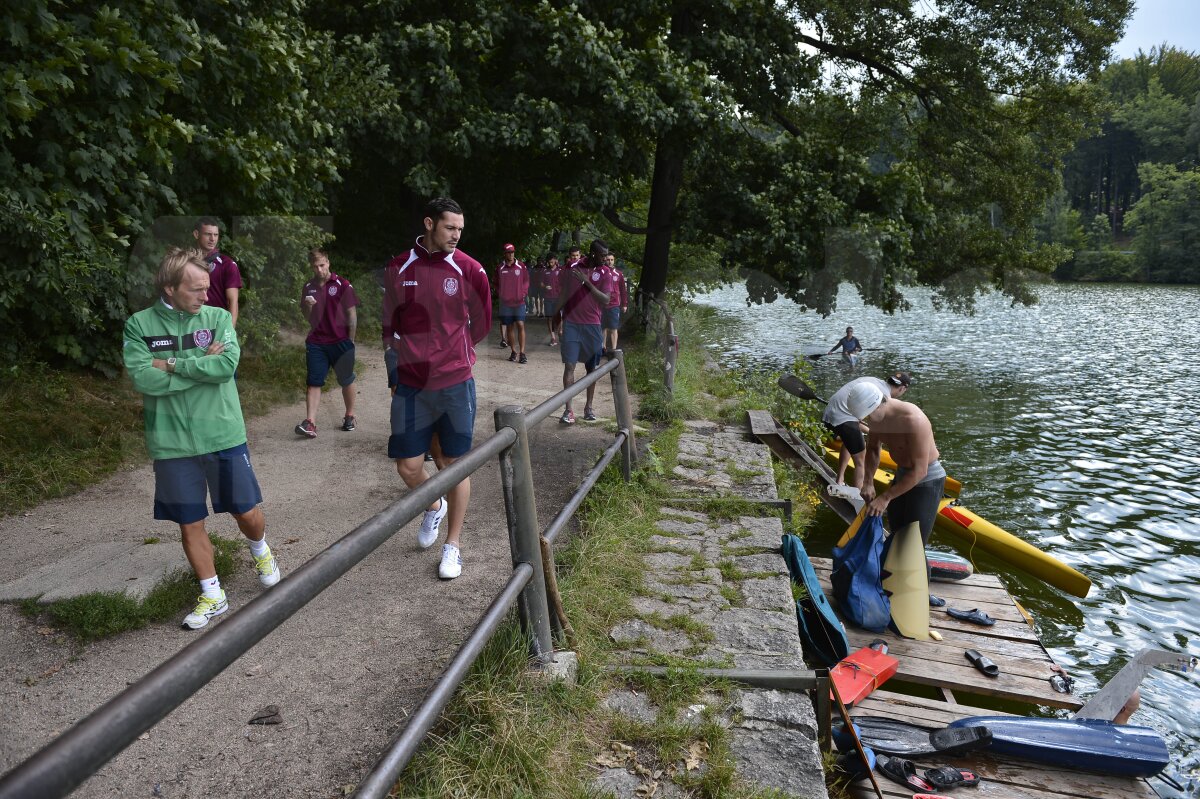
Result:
[
  {"x": 436, "y": 308},
  {"x": 224, "y": 277},
  {"x": 585, "y": 294},
  {"x": 513, "y": 278}
]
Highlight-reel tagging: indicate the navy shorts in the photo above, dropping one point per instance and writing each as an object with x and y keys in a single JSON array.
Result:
[
  {"x": 418, "y": 413},
  {"x": 321, "y": 356},
  {"x": 612, "y": 318},
  {"x": 581, "y": 344},
  {"x": 851, "y": 435},
  {"x": 512, "y": 313},
  {"x": 183, "y": 485}
]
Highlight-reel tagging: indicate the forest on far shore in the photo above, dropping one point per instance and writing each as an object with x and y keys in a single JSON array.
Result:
[{"x": 1129, "y": 208}]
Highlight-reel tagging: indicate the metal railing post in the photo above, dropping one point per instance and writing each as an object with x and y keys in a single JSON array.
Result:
[
  {"x": 524, "y": 533},
  {"x": 624, "y": 411}
]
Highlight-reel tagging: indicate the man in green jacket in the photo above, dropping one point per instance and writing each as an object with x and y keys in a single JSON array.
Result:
[{"x": 181, "y": 355}]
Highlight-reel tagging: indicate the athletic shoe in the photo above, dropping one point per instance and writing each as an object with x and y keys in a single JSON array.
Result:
[
  {"x": 206, "y": 608},
  {"x": 267, "y": 568},
  {"x": 306, "y": 429},
  {"x": 428, "y": 458},
  {"x": 589, "y": 415},
  {"x": 348, "y": 423},
  {"x": 503, "y": 344},
  {"x": 522, "y": 359},
  {"x": 430, "y": 525},
  {"x": 513, "y": 357},
  {"x": 451, "y": 565},
  {"x": 568, "y": 417}
]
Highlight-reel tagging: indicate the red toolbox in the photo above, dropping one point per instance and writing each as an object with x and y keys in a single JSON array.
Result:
[{"x": 860, "y": 673}]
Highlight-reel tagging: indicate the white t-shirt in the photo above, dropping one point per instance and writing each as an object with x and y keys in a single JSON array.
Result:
[{"x": 838, "y": 412}]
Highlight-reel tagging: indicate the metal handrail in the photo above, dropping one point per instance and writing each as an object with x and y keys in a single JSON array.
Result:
[
  {"x": 63, "y": 764},
  {"x": 383, "y": 775},
  {"x": 67, "y": 761},
  {"x": 589, "y": 481}
]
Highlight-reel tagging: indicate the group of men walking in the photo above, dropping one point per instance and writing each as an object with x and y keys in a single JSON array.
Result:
[{"x": 182, "y": 354}]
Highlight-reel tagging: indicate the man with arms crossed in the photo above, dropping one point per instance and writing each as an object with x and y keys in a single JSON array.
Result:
[
  {"x": 904, "y": 429},
  {"x": 181, "y": 355},
  {"x": 849, "y": 430},
  {"x": 224, "y": 278},
  {"x": 551, "y": 280},
  {"x": 436, "y": 308},
  {"x": 328, "y": 302},
  {"x": 585, "y": 293}
]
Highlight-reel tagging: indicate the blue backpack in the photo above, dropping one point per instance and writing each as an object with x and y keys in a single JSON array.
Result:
[{"x": 857, "y": 579}]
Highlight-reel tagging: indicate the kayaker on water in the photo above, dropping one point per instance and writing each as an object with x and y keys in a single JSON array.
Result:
[
  {"x": 849, "y": 345},
  {"x": 849, "y": 429},
  {"x": 904, "y": 429}
]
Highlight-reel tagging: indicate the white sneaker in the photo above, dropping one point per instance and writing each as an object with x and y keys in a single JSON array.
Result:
[
  {"x": 430, "y": 525},
  {"x": 266, "y": 567},
  {"x": 451, "y": 565},
  {"x": 206, "y": 608}
]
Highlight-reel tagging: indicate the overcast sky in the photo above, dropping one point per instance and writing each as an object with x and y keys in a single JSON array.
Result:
[{"x": 1176, "y": 22}]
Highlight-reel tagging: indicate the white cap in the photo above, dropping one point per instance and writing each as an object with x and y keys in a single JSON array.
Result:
[{"x": 864, "y": 399}]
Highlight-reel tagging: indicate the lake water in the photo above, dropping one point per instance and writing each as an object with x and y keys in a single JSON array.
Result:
[{"x": 1071, "y": 424}]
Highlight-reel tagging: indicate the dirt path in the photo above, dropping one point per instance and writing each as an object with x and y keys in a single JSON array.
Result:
[{"x": 347, "y": 669}]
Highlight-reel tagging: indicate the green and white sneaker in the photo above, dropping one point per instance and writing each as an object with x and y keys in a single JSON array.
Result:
[
  {"x": 267, "y": 568},
  {"x": 206, "y": 608}
]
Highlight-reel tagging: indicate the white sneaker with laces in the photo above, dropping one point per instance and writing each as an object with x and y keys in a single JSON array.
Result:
[
  {"x": 451, "y": 565},
  {"x": 206, "y": 608},
  {"x": 430, "y": 525}
]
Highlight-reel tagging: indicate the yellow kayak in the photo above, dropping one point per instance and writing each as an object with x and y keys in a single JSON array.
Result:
[
  {"x": 833, "y": 449},
  {"x": 975, "y": 531}
]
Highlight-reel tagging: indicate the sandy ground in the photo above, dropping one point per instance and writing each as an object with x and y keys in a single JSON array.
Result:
[{"x": 345, "y": 671}]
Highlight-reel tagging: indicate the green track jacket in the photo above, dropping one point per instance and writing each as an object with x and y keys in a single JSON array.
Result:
[{"x": 196, "y": 410}]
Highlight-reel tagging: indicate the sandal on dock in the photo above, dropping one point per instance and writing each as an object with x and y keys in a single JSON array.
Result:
[
  {"x": 950, "y": 777},
  {"x": 901, "y": 739},
  {"x": 902, "y": 771},
  {"x": 982, "y": 663},
  {"x": 974, "y": 615}
]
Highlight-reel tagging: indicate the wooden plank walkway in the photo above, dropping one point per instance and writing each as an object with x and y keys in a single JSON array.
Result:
[
  {"x": 1025, "y": 666},
  {"x": 1009, "y": 778}
]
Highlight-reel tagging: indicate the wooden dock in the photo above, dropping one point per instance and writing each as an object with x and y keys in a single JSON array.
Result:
[{"x": 1012, "y": 643}]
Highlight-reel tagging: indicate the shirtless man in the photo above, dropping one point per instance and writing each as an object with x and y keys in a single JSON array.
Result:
[{"x": 904, "y": 428}]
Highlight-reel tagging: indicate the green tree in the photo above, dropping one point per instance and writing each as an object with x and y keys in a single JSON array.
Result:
[
  {"x": 1166, "y": 224},
  {"x": 121, "y": 113}
]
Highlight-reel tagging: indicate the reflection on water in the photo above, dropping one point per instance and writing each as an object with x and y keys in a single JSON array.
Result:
[{"x": 1071, "y": 424}]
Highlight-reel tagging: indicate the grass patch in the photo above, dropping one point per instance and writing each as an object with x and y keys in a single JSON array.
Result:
[
  {"x": 93, "y": 616},
  {"x": 733, "y": 596},
  {"x": 68, "y": 429}
]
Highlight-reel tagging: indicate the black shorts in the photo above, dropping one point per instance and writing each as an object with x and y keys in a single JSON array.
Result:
[
  {"x": 918, "y": 504},
  {"x": 851, "y": 436}
]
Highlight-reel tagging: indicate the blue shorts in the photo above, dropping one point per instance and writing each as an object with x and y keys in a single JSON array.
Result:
[
  {"x": 182, "y": 485},
  {"x": 581, "y": 344},
  {"x": 512, "y": 313},
  {"x": 612, "y": 318},
  {"x": 419, "y": 413},
  {"x": 321, "y": 356}
]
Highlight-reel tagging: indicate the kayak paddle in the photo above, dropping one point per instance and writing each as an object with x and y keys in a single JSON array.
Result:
[{"x": 797, "y": 387}]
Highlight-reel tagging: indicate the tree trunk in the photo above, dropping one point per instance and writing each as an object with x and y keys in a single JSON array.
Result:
[{"x": 664, "y": 197}]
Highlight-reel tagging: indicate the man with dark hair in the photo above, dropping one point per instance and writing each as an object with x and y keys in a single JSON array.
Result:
[
  {"x": 224, "y": 277},
  {"x": 513, "y": 279},
  {"x": 618, "y": 303},
  {"x": 181, "y": 355},
  {"x": 585, "y": 293},
  {"x": 328, "y": 302},
  {"x": 436, "y": 308}
]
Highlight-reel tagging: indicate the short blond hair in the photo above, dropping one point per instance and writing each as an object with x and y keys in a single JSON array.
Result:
[
  {"x": 315, "y": 253},
  {"x": 174, "y": 264}
]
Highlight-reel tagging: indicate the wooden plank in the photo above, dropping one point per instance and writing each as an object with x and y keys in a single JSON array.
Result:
[
  {"x": 796, "y": 457},
  {"x": 762, "y": 423}
]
